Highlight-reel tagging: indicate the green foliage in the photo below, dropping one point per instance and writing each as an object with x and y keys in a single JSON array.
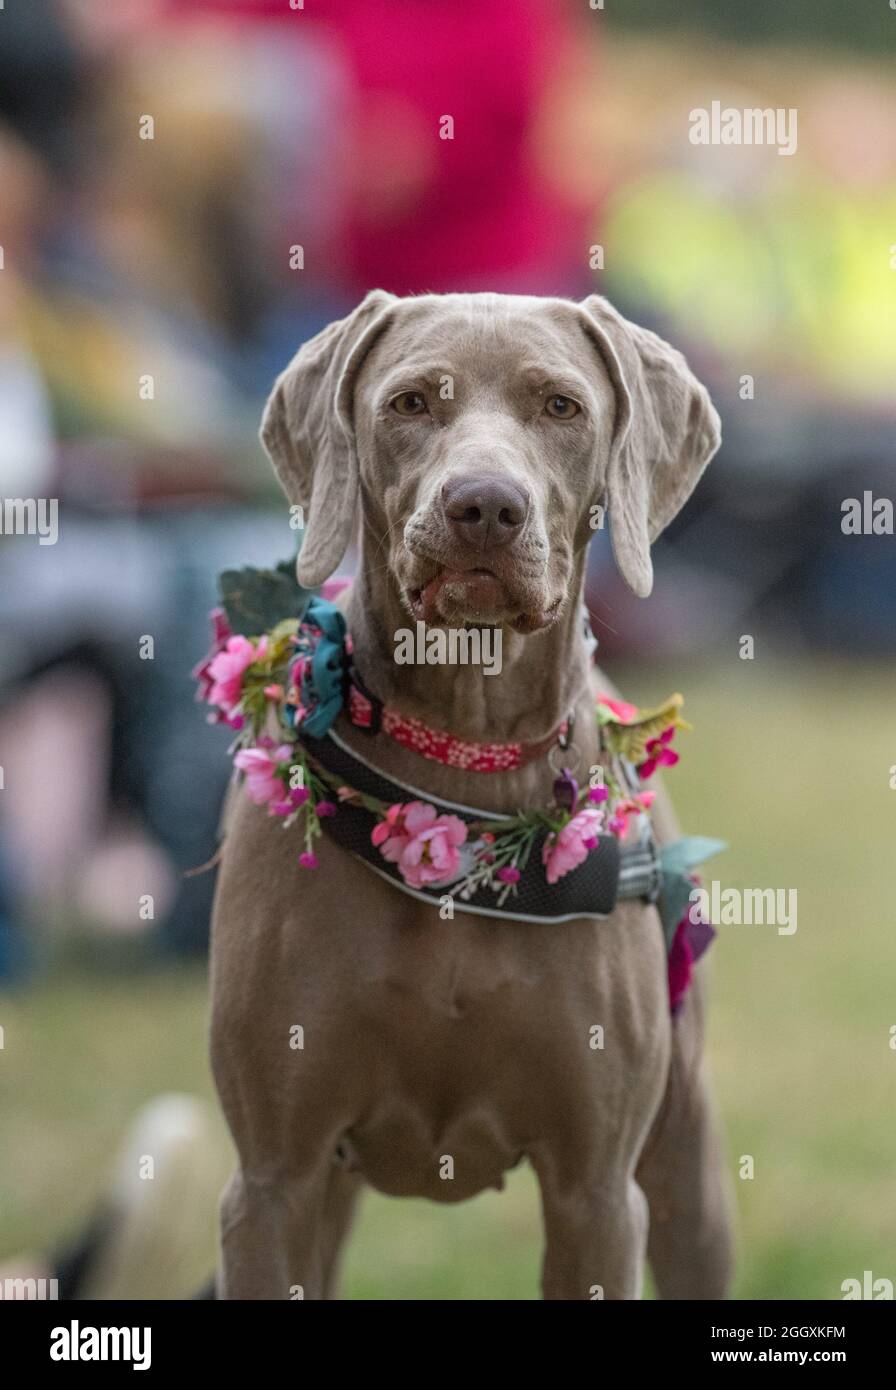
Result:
[{"x": 257, "y": 600}]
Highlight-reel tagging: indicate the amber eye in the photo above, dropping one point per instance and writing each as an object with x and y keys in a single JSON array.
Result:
[
  {"x": 561, "y": 407},
  {"x": 410, "y": 403}
]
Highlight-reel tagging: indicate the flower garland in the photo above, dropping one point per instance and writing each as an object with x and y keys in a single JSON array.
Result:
[{"x": 269, "y": 689}]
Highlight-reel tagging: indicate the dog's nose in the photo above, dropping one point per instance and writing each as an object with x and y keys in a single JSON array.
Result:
[{"x": 485, "y": 511}]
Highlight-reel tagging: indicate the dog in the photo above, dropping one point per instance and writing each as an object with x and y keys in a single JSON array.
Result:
[{"x": 472, "y": 436}]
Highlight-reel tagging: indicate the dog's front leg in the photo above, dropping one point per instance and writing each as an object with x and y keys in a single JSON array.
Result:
[
  {"x": 596, "y": 1236},
  {"x": 274, "y": 1237},
  {"x": 684, "y": 1175}
]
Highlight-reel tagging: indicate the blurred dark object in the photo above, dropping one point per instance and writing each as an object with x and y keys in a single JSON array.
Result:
[
  {"x": 42, "y": 80},
  {"x": 831, "y": 22},
  {"x": 760, "y": 544}
]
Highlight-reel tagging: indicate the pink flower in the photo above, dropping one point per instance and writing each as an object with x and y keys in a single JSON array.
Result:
[
  {"x": 509, "y": 874},
  {"x": 634, "y": 806},
  {"x": 431, "y": 855},
  {"x": 659, "y": 754},
  {"x": 390, "y": 834},
  {"x": 220, "y": 633},
  {"x": 226, "y": 671},
  {"x": 324, "y": 809},
  {"x": 294, "y": 798},
  {"x": 569, "y": 847},
  {"x": 598, "y": 794},
  {"x": 422, "y": 843},
  {"x": 308, "y": 860},
  {"x": 263, "y": 786},
  {"x": 299, "y": 669},
  {"x": 623, "y": 711}
]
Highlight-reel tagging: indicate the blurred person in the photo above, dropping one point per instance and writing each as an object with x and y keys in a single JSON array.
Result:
[
  {"x": 469, "y": 205},
  {"x": 153, "y": 1231},
  {"x": 108, "y": 781},
  {"x": 780, "y": 268},
  {"x": 492, "y": 206}
]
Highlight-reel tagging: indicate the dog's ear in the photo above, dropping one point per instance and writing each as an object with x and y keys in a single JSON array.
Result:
[
  {"x": 308, "y": 432},
  {"x": 666, "y": 432}
]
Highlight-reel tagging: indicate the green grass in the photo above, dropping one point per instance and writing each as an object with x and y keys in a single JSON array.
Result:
[{"x": 791, "y": 765}]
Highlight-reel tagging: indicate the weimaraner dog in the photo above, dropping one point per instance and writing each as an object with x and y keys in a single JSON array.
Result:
[{"x": 469, "y": 1038}]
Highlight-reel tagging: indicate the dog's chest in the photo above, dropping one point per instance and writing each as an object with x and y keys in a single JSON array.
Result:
[{"x": 448, "y": 968}]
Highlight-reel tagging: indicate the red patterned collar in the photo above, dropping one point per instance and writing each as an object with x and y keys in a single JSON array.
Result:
[{"x": 368, "y": 712}]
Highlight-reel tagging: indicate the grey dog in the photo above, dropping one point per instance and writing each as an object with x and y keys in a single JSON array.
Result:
[{"x": 426, "y": 1038}]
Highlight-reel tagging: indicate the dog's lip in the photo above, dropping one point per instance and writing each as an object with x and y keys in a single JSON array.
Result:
[
  {"x": 443, "y": 569},
  {"x": 416, "y": 591},
  {"x": 524, "y": 622}
]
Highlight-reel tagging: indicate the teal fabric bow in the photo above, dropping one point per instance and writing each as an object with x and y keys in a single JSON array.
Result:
[
  {"x": 676, "y": 862},
  {"x": 322, "y": 686}
]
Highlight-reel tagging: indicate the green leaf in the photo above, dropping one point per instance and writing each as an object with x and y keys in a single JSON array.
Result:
[{"x": 257, "y": 600}]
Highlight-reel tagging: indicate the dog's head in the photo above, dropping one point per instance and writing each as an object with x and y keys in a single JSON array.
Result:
[{"x": 478, "y": 433}]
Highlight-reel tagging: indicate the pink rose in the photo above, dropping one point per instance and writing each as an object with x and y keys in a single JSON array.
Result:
[
  {"x": 570, "y": 846},
  {"x": 226, "y": 671},
  {"x": 263, "y": 786},
  {"x": 422, "y": 843}
]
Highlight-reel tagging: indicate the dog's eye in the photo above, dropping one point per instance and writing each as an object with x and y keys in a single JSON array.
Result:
[
  {"x": 410, "y": 403},
  {"x": 561, "y": 407}
]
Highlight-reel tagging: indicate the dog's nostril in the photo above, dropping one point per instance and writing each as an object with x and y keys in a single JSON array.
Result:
[{"x": 485, "y": 511}]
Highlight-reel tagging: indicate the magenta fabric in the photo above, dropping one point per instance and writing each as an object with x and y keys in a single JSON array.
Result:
[
  {"x": 474, "y": 213},
  {"x": 690, "y": 941}
]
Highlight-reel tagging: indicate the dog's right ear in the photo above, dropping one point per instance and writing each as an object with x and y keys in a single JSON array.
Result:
[{"x": 308, "y": 433}]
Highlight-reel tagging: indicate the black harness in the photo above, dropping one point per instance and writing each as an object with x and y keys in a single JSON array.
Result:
[{"x": 609, "y": 874}]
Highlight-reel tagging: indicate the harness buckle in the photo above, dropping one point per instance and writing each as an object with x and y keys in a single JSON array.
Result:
[
  {"x": 564, "y": 738},
  {"x": 655, "y": 884}
]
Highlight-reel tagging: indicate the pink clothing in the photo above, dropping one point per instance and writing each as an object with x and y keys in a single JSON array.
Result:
[{"x": 426, "y": 213}]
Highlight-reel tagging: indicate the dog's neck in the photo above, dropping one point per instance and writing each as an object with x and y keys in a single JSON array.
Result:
[{"x": 542, "y": 676}]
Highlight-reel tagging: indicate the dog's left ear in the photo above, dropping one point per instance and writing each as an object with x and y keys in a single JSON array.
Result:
[
  {"x": 666, "y": 432},
  {"x": 308, "y": 432}
]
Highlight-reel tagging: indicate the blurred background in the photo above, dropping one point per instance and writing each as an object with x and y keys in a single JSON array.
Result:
[{"x": 191, "y": 188}]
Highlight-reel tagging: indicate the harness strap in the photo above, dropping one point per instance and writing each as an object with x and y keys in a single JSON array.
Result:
[{"x": 611, "y": 873}]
